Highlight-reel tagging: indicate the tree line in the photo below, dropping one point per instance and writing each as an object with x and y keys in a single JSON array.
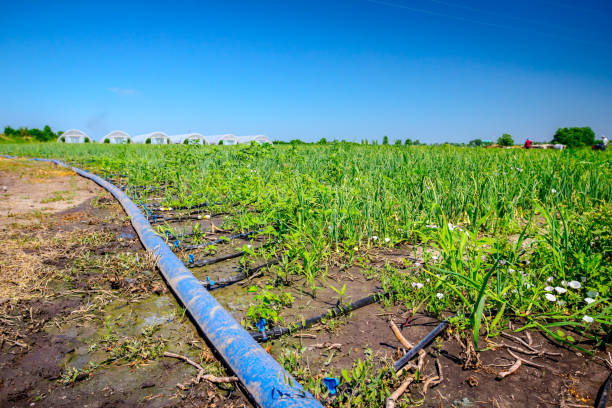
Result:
[{"x": 44, "y": 135}]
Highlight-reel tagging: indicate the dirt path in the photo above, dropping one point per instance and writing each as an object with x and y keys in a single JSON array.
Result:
[{"x": 84, "y": 316}]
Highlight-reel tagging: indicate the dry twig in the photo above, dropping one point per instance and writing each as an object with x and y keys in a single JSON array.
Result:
[
  {"x": 511, "y": 370},
  {"x": 398, "y": 393},
  {"x": 530, "y": 363},
  {"x": 201, "y": 376}
]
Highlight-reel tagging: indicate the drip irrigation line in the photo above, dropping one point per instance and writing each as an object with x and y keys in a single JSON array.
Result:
[
  {"x": 399, "y": 364},
  {"x": 189, "y": 207},
  {"x": 221, "y": 283},
  {"x": 335, "y": 311},
  {"x": 220, "y": 240},
  {"x": 604, "y": 393},
  {"x": 203, "y": 262},
  {"x": 179, "y": 218},
  {"x": 267, "y": 382}
]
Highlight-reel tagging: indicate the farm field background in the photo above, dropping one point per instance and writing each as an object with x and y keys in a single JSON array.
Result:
[{"x": 490, "y": 238}]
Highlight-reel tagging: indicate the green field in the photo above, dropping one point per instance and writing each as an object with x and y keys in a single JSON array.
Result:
[{"x": 497, "y": 234}]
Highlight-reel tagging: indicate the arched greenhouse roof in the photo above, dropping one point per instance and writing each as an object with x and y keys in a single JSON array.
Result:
[
  {"x": 261, "y": 139},
  {"x": 154, "y": 137},
  {"x": 227, "y": 139},
  {"x": 195, "y": 138},
  {"x": 116, "y": 137},
  {"x": 73, "y": 136}
]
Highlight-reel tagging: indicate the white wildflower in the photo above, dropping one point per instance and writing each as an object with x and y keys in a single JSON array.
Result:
[
  {"x": 549, "y": 288},
  {"x": 374, "y": 237},
  {"x": 587, "y": 319},
  {"x": 550, "y": 297},
  {"x": 503, "y": 262},
  {"x": 434, "y": 257},
  {"x": 563, "y": 283},
  {"x": 553, "y": 191},
  {"x": 575, "y": 285},
  {"x": 417, "y": 285},
  {"x": 561, "y": 302},
  {"x": 451, "y": 226},
  {"x": 207, "y": 217},
  {"x": 387, "y": 239},
  {"x": 592, "y": 294},
  {"x": 511, "y": 270},
  {"x": 560, "y": 290},
  {"x": 439, "y": 295},
  {"x": 550, "y": 279},
  {"x": 589, "y": 300}
]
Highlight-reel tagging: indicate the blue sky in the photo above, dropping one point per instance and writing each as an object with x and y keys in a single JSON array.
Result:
[{"x": 434, "y": 70}]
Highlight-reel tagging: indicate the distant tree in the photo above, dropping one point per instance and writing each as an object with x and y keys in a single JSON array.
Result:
[
  {"x": 322, "y": 141},
  {"x": 366, "y": 142},
  {"x": 408, "y": 142},
  {"x": 575, "y": 137},
  {"x": 475, "y": 142},
  {"x": 385, "y": 140},
  {"x": 296, "y": 141},
  {"x": 398, "y": 142},
  {"x": 9, "y": 131},
  {"x": 505, "y": 140},
  {"x": 416, "y": 142}
]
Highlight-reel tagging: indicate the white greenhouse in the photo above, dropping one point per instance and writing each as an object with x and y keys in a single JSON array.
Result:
[
  {"x": 74, "y": 136},
  {"x": 261, "y": 139},
  {"x": 227, "y": 139},
  {"x": 188, "y": 138},
  {"x": 116, "y": 137},
  {"x": 152, "y": 138}
]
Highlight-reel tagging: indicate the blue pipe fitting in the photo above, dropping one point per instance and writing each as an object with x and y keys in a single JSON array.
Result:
[{"x": 331, "y": 383}]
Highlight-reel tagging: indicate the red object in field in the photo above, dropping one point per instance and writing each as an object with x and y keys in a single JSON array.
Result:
[{"x": 527, "y": 144}]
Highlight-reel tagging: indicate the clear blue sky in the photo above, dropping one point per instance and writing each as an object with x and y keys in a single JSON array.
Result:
[{"x": 434, "y": 70}]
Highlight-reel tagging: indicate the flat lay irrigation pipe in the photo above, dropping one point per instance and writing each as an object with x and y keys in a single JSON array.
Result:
[{"x": 269, "y": 384}]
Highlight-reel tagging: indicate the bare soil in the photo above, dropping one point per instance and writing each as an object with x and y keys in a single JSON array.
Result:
[
  {"x": 74, "y": 276},
  {"x": 84, "y": 314}
]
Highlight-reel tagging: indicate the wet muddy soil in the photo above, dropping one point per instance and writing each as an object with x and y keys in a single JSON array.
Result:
[
  {"x": 84, "y": 316},
  {"x": 87, "y": 320}
]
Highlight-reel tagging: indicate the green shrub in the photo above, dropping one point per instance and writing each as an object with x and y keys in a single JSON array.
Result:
[
  {"x": 575, "y": 137},
  {"x": 148, "y": 141},
  {"x": 505, "y": 140},
  {"x": 107, "y": 140}
]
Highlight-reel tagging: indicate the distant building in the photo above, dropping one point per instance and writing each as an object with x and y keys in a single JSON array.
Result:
[
  {"x": 152, "y": 138},
  {"x": 261, "y": 139},
  {"x": 227, "y": 139},
  {"x": 73, "y": 136},
  {"x": 188, "y": 138},
  {"x": 116, "y": 137}
]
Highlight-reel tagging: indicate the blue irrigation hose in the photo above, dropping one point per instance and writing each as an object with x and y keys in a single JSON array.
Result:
[{"x": 269, "y": 384}]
